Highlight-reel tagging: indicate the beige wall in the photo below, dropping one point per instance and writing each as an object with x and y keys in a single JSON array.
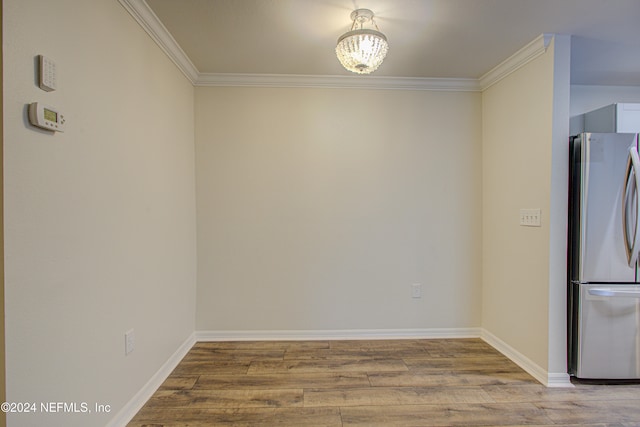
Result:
[
  {"x": 100, "y": 220},
  {"x": 558, "y": 196},
  {"x": 318, "y": 208},
  {"x": 525, "y": 129},
  {"x": 3, "y": 417},
  {"x": 516, "y": 174}
]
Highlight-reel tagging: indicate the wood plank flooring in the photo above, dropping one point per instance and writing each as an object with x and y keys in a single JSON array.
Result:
[{"x": 439, "y": 382}]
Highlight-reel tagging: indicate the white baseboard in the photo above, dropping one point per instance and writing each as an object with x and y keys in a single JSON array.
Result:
[
  {"x": 337, "y": 334},
  {"x": 126, "y": 414},
  {"x": 559, "y": 379},
  {"x": 549, "y": 379}
]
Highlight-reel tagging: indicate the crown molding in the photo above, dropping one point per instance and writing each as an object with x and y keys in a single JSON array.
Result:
[
  {"x": 337, "y": 82},
  {"x": 142, "y": 13},
  {"x": 148, "y": 20},
  {"x": 523, "y": 56}
]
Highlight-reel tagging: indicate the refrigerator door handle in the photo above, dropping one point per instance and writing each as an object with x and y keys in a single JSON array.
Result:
[
  {"x": 631, "y": 207},
  {"x": 604, "y": 292}
]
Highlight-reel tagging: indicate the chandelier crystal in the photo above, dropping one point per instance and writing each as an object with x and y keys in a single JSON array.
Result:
[{"x": 362, "y": 50}]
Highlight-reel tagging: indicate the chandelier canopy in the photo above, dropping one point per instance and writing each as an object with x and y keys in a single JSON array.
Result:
[{"x": 362, "y": 50}]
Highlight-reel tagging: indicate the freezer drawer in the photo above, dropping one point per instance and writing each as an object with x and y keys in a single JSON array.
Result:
[{"x": 608, "y": 331}]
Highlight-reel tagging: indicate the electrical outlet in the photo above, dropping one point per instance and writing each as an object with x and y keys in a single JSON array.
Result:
[
  {"x": 530, "y": 217},
  {"x": 129, "y": 342},
  {"x": 416, "y": 290}
]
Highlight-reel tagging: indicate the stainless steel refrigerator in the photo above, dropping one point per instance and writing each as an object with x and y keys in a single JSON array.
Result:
[{"x": 604, "y": 241}]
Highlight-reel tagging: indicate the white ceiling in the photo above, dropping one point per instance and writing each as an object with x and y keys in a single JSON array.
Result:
[{"x": 427, "y": 38}]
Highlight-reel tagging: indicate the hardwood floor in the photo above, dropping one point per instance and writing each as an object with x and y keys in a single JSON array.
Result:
[{"x": 440, "y": 382}]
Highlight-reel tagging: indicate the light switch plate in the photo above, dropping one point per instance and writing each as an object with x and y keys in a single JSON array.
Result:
[{"x": 530, "y": 217}]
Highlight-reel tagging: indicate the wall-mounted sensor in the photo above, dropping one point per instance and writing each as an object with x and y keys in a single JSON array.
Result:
[
  {"x": 48, "y": 77},
  {"x": 46, "y": 117}
]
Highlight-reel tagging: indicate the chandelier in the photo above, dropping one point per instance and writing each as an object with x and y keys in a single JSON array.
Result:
[{"x": 362, "y": 50}]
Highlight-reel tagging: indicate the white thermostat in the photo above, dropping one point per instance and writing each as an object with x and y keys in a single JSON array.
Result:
[{"x": 46, "y": 117}]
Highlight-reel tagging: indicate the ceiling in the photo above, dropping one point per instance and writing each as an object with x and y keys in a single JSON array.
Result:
[{"x": 455, "y": 39}]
